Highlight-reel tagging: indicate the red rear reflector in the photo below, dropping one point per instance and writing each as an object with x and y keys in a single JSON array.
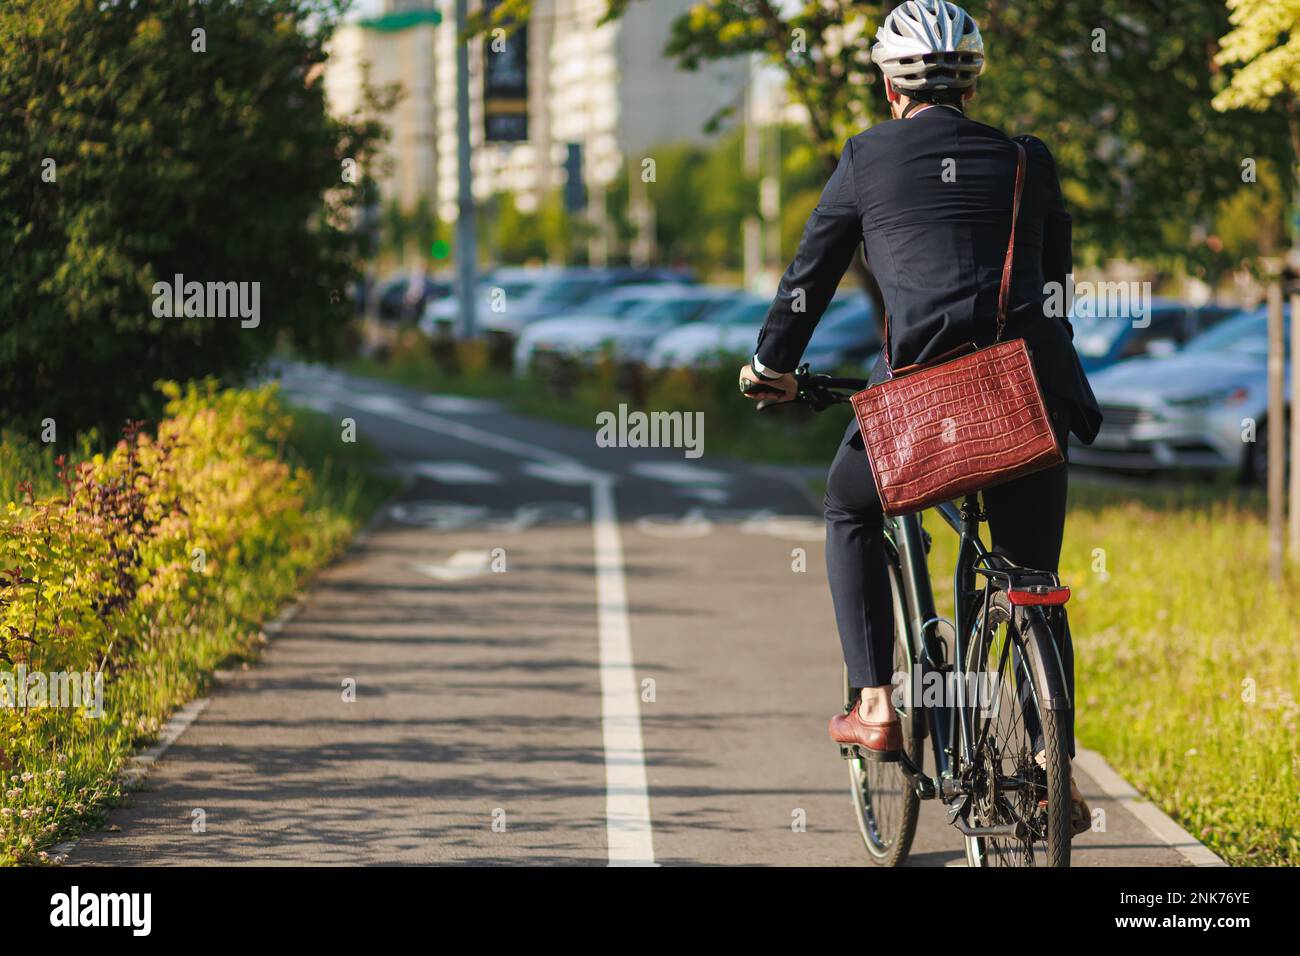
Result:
[{"x": 1038, "y": 595}]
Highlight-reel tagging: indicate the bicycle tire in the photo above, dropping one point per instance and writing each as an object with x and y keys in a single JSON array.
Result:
[
  {"x": 1010, "y": 788},
  {"x": 884, "y": 802}
]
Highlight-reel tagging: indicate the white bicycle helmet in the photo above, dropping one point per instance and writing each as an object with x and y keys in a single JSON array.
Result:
[{"x": 929, "y": 45}]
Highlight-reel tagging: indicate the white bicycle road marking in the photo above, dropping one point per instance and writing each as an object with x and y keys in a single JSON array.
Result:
[
  {"x": 315, "y": 403},
  {"x": 630, "y": 841},
  {"x": 458, "y": 405},
  {"x": 566, "y": 474},
  {"x": 680, "y": 473},
  {"x": 699, "y": 521},
  {"x": 458, "y": 516},
  {"x": 716, "y": 496},
  {"x": 456, "y": 473}
]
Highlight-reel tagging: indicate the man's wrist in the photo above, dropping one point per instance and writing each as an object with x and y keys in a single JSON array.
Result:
[{"x": 763, "y": 372}]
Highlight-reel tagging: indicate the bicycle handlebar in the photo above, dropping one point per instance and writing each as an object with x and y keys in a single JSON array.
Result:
[{"x": 819, "y": 392}]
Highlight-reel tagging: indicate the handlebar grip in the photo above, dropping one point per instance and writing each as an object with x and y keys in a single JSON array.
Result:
[{"x": 758, "y": 389}]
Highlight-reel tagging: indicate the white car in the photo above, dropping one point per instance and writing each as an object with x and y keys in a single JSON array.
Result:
[
  {"x": 510, "y": 298},
  {"x": 846, "y": 334},
  {"x": 625, "y": 321},
  {"x": 730, "y": 331}
]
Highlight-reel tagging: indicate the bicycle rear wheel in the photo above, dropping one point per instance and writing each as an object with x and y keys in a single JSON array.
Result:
[
  {"x": 1021, "y": 771},
  {"x": 884, "y": 802}
]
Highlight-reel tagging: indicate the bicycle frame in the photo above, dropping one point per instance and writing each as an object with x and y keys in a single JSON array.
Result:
[
  {"x": 908, "y": 539},
  {"x": 951, "y": 725}
]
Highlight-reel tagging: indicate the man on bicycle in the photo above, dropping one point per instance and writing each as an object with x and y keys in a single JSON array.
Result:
[{"x": 929, "y": 198}]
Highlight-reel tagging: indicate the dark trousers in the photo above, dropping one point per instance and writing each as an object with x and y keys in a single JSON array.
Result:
[{"x": 1026, "y": 523}]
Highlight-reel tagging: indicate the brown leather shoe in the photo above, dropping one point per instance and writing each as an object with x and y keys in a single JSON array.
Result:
[{"x": 875, "y": 740}]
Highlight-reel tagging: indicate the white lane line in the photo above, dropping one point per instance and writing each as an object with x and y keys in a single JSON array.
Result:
[
  {"x": 627, "y": 798},
  {"x": 627, "y": 795},
  {"x": 391, "y": 408},
  {"x": 1152, "y": 817}
]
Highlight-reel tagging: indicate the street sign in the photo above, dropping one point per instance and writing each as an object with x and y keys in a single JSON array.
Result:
[
  {"x": 575, "y": 188},
  {"x": 505, "y": 80}
]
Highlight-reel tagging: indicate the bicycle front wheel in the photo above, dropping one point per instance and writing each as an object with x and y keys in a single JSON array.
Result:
[
  {"x": 1021, "y": 772},
  {"x": 884, "y": 801}
]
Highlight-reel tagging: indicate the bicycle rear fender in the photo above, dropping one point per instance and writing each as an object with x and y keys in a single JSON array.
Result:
[{"x": 1044, "y": 659}]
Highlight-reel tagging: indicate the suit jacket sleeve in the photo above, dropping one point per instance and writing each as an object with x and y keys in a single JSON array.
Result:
[
  {"x": 830, "y": 239},
  {"x": 1058, "y": 255}
]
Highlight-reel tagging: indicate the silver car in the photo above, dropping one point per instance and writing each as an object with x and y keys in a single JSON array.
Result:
[
  {"x": 623, "y": 321},
  {"x": 1202, "y": 408}
]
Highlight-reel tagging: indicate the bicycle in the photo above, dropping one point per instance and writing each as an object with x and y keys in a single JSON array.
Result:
[{"x": 1001, "y": 759}]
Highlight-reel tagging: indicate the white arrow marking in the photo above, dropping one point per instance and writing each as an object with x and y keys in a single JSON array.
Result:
[
  {"x": 459, "y": 567},
  {"x": 693, "y": 524}
]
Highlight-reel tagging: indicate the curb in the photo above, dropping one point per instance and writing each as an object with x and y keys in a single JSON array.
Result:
[{"x": 1151, "y": 816}]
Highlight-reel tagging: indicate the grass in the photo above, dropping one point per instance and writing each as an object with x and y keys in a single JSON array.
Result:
[
  {"x": 63, "y": 769},
  {"x": 1188, "y": 658}
]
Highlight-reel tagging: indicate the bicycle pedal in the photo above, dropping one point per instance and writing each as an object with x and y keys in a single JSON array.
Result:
[{"x": 854, "y": 752}]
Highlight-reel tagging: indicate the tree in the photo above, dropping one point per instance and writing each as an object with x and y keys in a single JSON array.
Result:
[
  {"x": 148, "y": 139},
  {"x": 1265, "y": 40},
  {"x": 1120, "y": 91}
]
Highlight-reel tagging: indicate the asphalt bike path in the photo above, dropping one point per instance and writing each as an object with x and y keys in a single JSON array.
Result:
[{"x": 543, "y": 652}]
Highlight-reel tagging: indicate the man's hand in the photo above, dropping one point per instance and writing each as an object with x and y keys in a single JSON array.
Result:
[{"x": 767, "y": 391}]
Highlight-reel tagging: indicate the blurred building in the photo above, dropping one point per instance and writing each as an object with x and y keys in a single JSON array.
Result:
[
  {"x": 397, "y": 46},
  {"x": 606, "y": 87}
]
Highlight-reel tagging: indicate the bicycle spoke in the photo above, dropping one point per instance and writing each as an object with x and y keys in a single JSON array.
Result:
[{"x": 1008, "y": 780}]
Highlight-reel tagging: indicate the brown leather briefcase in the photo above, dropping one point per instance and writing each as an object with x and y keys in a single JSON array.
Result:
[{"x": 938, "y": 431}]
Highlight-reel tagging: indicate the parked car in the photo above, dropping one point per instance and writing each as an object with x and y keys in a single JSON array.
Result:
[
  {"x": 845, "y": 334},
  {"x": 1189, "y": 410},
  {"x": 730, "y": 331},
  {"x": 404, "y": 298},
  {"x": 512, "y": 298},
  {"x": 1104, "y": 338},
  {"x": 625, "y": 320}
]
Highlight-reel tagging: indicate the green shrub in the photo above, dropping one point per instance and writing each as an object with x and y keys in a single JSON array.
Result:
[{"x": 150, "y": 566}]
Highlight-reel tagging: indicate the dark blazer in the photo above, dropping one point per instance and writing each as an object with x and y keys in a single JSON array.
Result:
[{"x": 936, "y": 247}]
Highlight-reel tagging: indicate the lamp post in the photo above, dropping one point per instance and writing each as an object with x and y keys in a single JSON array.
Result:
[{"x": 466, "y": 234}]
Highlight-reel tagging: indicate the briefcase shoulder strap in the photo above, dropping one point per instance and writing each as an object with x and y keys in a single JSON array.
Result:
[{"x": 1004, "y": 288}]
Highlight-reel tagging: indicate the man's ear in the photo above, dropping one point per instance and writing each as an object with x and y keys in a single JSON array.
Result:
[
  {"x": 891, "y": 94},
  {"x": 968, "y": 95}
]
